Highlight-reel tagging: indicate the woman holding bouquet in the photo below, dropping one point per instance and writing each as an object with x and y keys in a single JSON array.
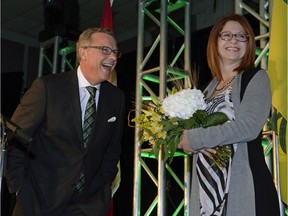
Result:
[{"x": 244, "y": 185}]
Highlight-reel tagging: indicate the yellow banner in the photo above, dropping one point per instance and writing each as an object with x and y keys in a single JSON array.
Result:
[
  {"x": 277, "y": 70},
  {"x": 277, "y": 61}
]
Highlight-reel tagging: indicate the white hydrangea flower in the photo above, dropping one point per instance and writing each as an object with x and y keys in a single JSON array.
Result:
[{"x": 184, "y": 103}]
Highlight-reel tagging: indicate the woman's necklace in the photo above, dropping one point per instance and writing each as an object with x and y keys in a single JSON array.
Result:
[{"x": 224, "y": 87}]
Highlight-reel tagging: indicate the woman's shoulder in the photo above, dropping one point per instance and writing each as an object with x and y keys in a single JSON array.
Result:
[
  {"x": 253, "y": 71},
  {"x": 255, "y": 74}
]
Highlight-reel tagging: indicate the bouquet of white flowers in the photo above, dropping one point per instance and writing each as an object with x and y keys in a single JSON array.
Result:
[
  {"x": 184, "y": 104},
  {"x": 163, "y": 123}
]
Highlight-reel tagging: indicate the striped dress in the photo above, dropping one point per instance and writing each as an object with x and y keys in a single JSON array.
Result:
[{"x": 214, "y": 181}]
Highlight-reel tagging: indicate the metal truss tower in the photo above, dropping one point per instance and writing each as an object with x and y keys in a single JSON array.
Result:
[
  {"x": 55, "y": 49},
  {"x": 161, "y": 76}
]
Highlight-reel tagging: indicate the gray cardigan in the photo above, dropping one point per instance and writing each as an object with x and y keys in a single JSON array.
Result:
[{"x": 250, "y": 117}]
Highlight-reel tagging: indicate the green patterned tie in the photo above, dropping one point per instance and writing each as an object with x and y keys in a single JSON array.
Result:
[{"x": 89, "y": 117}]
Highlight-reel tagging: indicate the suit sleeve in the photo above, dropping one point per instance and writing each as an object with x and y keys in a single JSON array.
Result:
[{"x": 28, "y": 116}]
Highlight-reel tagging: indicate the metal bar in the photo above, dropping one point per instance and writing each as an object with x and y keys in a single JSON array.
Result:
[
  {"x": 162, "y": 93},
  {"x": 40, "y": 66},
  {"x": 180, "y": 206},
  {"x": 148, "y": 89},
  {"x": 178, "y": 55},
  {"x": 175, "y": 25},
  {"x": 252, "y": 12},
  {"x": 187, "y": 40},
  {"x": 173, "y": 174},
  {"x": 262, "y": 54},
  {"x": 152, "y": 17},
  {"x": 55, "y": 54},
  {"x": 48, "y": 60},
  {"x": 151, "y": 207},
  {"x": 263, "y": 36},
  {"x": 138, "y": 103},
  {"x": 263, "y": 30},
  {"x": 150, "y": 52},
  {"x": 149, "y": 172}
]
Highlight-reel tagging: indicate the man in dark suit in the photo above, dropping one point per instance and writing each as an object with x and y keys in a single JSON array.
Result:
[{"x": 45, "y": 173}]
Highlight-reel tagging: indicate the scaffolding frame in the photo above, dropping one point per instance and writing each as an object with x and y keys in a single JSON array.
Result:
[
  {"x": 142, "y": 78},
  {"x": 144, "y": 75},
  {"x": 59, "y": 52}
]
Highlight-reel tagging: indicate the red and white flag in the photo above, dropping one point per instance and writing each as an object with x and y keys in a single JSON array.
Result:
[{"x": 107, "y": 18}]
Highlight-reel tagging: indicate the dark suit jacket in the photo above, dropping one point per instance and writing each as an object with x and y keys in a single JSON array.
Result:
[{"x": 46, "y": 170}]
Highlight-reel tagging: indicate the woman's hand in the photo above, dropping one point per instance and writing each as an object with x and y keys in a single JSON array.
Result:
[
  {"x": 184, "y": 144},
  {"x": 208, "y": 152}
]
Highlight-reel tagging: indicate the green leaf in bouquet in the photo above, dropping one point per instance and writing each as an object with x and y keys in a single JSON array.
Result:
[
  {"x": 189, "y": 123},
  {"x": 171, "y": 134},
  {"x": 168, "y": 126},
  {"x": 172, "y": 145},
  {"x": 166, "y": 153},
  {"x": 155, "y": 150},
  {"x": 156, "y": 147},
  {"x": 175, "y": 119},
  {"x": 215, "y": 118},
  {"x": 177, "y": 132},
  {"x": 200, "y": 116},
  {"x": 160, "y": 142}
]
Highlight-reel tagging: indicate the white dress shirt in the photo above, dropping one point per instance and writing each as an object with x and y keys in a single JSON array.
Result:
[{"x": 84, "y": 94}]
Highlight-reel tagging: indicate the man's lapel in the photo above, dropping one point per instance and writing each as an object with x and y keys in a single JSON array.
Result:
[
  {"x": 103, "y": 106},
  {"x": 72, "y": 92}
]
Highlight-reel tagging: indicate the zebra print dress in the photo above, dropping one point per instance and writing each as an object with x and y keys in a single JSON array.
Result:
[{"x": 213, "y": 181}]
